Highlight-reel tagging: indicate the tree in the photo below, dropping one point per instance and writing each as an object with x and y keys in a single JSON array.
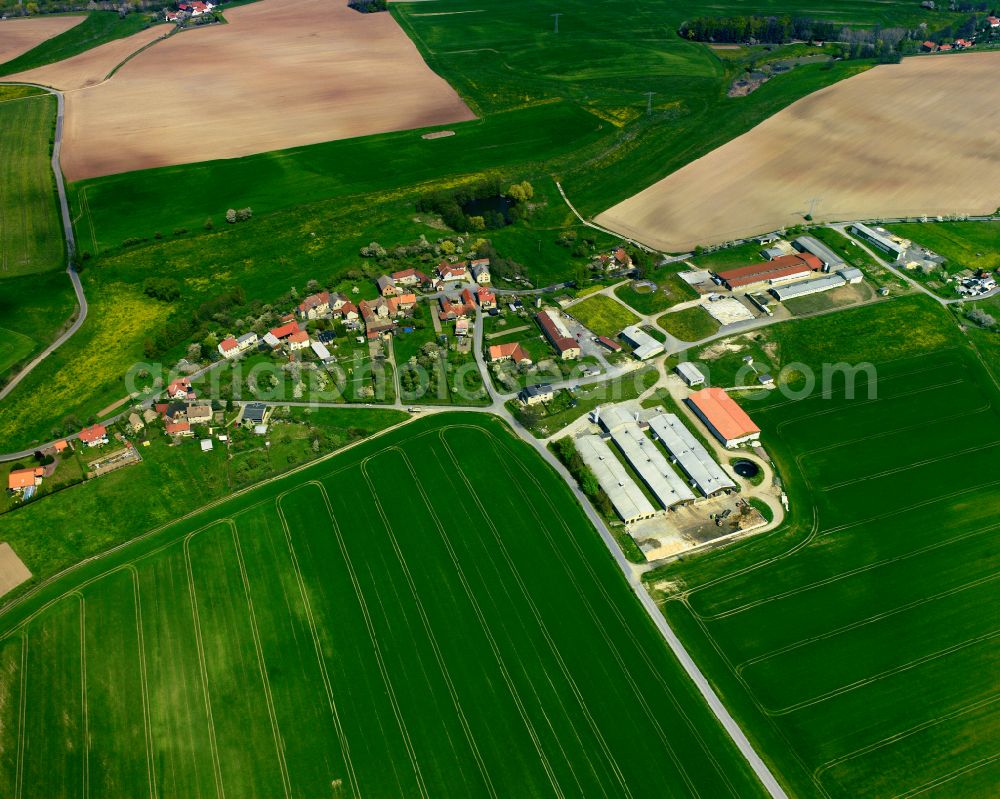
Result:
[
  {"x": 448, "y": 247},
  {"x": 244, "y": 214},
  {"x": 208, "y": 224},
  {"x": 231, "y": 216},
  {"x": 477, "y": 223}
]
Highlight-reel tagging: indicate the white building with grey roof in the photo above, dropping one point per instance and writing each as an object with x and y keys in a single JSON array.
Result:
[
  {"x": 643, "y": 455},
  {"x": 645, "y": 345},
  {"x": 692, "y": 457},
  {"x": 831, "y": 261},
  {"x": 627, "y": 498}
]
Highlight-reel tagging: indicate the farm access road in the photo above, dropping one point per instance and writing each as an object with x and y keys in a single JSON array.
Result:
[{"x": 67, "y": 224}]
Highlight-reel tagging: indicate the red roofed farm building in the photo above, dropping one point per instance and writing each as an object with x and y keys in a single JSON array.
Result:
[
  {"x": 778, "y": 270},
  {"x": 558, "y": 337},
  {"x": 726, "y": 420}
]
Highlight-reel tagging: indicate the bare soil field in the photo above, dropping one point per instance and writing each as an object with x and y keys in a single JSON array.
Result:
[
  {"x": 92, "y": 66},
  {"x": 907, "y": 139},
  {"x": 278, "y": 75},
  {"x": 12, "y": 571},
  {"x": 20, "y": 35}
]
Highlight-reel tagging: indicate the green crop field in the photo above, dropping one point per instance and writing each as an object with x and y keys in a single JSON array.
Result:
[
  {"x": 858, "y": 644},
  {"x": 30, "y": 231},
  {"x": 340, "y": 633}
]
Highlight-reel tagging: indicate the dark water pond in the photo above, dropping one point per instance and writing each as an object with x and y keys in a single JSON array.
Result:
[
  {"x": 489, "y": 206},
  {"x": 746, "y": 469}
]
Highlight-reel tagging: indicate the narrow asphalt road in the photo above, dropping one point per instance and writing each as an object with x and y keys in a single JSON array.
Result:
[{"x": 81, "y": 299}]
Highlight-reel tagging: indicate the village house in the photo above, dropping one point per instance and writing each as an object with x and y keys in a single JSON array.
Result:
[
  {"x": 462, "y": 327},
  {"x": 174, "y": 412},
  {"x": 378, "y": 316},
  {"x": 180, "y": 389},
  {"x": 233, "y": 347},
  {"x": 486, "y": 298},
  {"x": 94, "y": 436},
  {"x": 448, "y": 273},
  {"x": 480, "y": 268},
  {"x": 299, "y": 340},
  {"x": 314, "y": 306},
  {"x": 994, "y": 22},
  {"x": 410, "y": 277},
  {"x": 135, "y": 423},
  {"x": 557, "y": 334},
  {"x": 181, "y": 429},
  {"x": 21, "y": 480},
  {"x": 457, "y": 309},
  {"x": 149, "y": 416},
  {"x": 199, "y": 414},
  {"x": 405, "y": 302},
  {"x": 255, "y": 413},
  {"x": 277, "y": 335},
  {"x": 386, "y": 286},
  {"x": 346, "y": 311},
  {"x": 533, "y": 395},
  {"x": 509, "y": 352}
]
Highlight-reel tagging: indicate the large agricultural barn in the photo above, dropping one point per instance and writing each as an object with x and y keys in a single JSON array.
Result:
[
  {"x": 778, "y": 270},
  {"x": 727, "y": 421},
  {"x": 696, "y": 462},
  {"x": 629, "y": 501}
]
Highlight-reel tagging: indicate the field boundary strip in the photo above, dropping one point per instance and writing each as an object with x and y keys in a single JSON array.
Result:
[
  {"x": 428, "y": 629},
  {"x": 83, "y": 694},
  {"x": 586, "y": 602},
  {"x": 374, "y": 639},
  {"x": 317, "y": 644},
  {"x": 22, "y": 716},
  {"x": 985, "y": 761}
]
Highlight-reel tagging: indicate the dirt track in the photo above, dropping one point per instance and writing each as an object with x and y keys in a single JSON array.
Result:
[
  {"x": 280, "y": 74},
  {"x": 908, "y": 139},
  {"x": 20, "y": 35},
  {"x": 91, "y": 66}
]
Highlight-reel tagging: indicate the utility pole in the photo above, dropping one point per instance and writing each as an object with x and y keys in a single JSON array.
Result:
[
  {"x": 556, "y": 18},
  {"x": 812, "y": 204},
  {"x": 649, "y": 103}
]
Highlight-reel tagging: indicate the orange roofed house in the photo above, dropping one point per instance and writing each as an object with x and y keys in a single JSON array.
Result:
[
  {"x": 511, "y": 351},
  {"x": 20, "y": 479},
  {"x": 94, "y": 436},
  {"x": 726, "y": 420}
]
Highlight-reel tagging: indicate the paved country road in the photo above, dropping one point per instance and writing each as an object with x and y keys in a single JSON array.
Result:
[{"x": 81, "y": 299}]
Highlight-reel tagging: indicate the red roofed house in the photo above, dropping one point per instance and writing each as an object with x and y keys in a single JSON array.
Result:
[
  {"x": 228, "y": 347},
  {"x": 406, "y": 301},
  {"x": 178, "y": 429},
  {"x": 20, "y": 479},
  {"x": 726, "y": 420},
  {"x": 994, "y": 22},
  {"x": 944, "y": 48},
  {"x": 180, "y": 389},
  {"x": 449, "y": 272},
  {"x": 61, "y": 445},
  {"x": 377, "y": 315},
  {"x": 509, "y": 352},
  {"x": 487, "y": 299},
  {"x": 94, "y": 436},
  {"x": 928, "y": 47},
  {"x": 285, "y": 330},
  {"x": 299, "y": 340},
  {"x": 611, "y": 344},
  {"x": 773, "y": 272},
  {"x": 314, "y": 306},
  {"x": 558, "y": 336},
  {"x": 961, "y": 44},
  {"x": 622, "y": 259}
]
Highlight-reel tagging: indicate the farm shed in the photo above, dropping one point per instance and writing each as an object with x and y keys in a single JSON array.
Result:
[
  {"x": 628, "y": 500},
  {"x": 695, "y": 461},
  {"x": 726, "y": 420}
]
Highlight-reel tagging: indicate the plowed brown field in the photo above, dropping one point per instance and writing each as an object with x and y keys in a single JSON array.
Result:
[
  {"x": 20, "y": 35},
  {"x": 909, "y": 139},
  {"x": 280, "y": 74},
  {"x": 91, "y": 66}
]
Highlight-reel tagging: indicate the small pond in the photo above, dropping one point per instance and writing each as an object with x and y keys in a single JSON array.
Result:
[{"x": 489, "y": 206}]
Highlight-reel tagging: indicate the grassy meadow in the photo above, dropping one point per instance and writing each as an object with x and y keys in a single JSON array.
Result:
[
  {"x": 966, "y": 245},
  {"x": 327, "y": 638},
  {"x": 821, "y": 635},
  {"x": 602, "y": 315},
  {"x": 31, "y": 233},
  {"x": 690, "y": 324}
]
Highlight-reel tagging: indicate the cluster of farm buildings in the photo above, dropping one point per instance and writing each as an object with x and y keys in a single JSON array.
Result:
[
  {"x": 673, "y": 465},
  {"x": 189, "y": 10}
]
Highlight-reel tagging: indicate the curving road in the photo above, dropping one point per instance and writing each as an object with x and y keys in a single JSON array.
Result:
[{"x": 81, "y": 299}]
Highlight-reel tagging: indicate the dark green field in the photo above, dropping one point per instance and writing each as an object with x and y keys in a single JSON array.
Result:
[
  {"x": 342, "y": 633},
  {"x": 858, "y": 645},
  {"x": 30, "y": 230}
]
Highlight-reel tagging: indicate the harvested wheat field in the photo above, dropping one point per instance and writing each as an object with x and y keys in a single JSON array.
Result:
[
  {"x": 280, "y": 74},
  {"x": 91, "y": 66},
  {"x": 909, "y": 139},
  {"x": 20, "y": 35}
]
